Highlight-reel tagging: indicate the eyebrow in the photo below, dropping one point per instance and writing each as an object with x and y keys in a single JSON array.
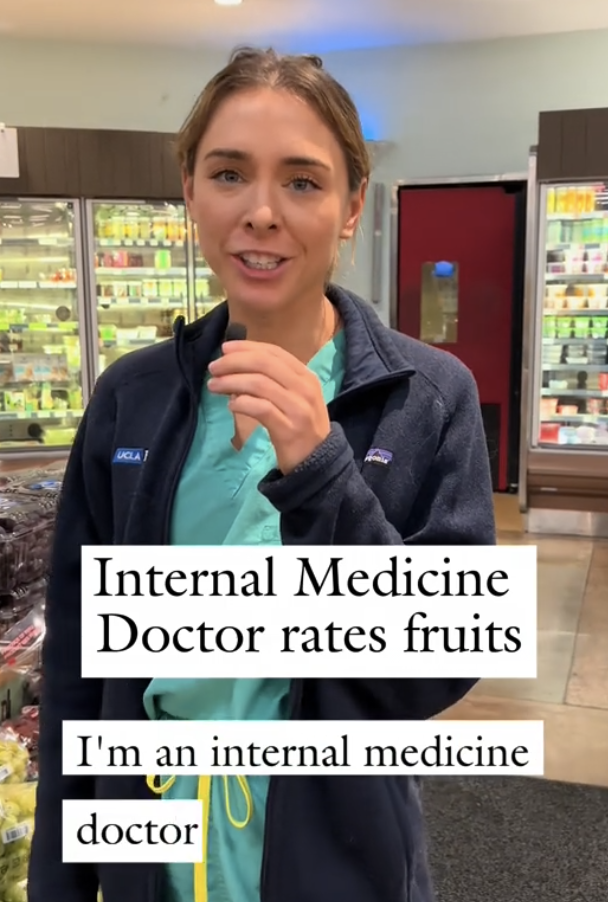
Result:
[{"x": 227, "y": 153}]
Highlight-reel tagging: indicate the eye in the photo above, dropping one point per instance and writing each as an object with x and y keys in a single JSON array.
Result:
[
  {"x": 228, "y": 176},
  {"x": 303, "y": 183}
]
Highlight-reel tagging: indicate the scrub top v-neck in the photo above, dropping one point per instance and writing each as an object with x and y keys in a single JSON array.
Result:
[{"x": 218, "y": 503}]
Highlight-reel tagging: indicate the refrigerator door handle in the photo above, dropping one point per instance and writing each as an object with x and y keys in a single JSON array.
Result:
[
  {"x": 191, "y": 267},
  {"x": 90, "y": 312}
]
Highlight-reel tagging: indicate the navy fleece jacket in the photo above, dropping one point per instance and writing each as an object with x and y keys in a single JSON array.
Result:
[{"x": 328, "y": 838}]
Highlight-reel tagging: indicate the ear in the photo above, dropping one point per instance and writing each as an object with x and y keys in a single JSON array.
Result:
[
  {"x": 188, "y": 190},
  {"x": 355, "y": 209}
]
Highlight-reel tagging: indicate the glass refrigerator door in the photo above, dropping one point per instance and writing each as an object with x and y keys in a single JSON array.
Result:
[
  {"x": 140, "y": 275},
  {"x": 41, "y": 301},
  {"x": 208, "y": 291},
  {"x": 573, "y": 404}
]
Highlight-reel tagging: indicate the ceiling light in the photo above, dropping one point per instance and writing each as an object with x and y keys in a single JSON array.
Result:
[{"x": 228, "y": 2}]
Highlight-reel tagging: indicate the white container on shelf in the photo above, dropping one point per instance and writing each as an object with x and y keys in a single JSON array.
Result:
[{"x": 147, "y": 333}]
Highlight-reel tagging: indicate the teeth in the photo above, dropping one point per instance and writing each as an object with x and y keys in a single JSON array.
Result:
[{"x": 261, "y": 261}]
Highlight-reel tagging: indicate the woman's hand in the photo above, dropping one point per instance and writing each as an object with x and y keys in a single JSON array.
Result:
[{"x": 271, "y": 386}]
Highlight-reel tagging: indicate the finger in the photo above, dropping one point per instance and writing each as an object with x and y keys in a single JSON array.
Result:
[
  {"x": 291, "y": 405},
  {"x": 264, "y": 411},
  {"x": 238, "y": 347},
  {"x": 254, "y": 362},
  {"x": 254, "y": 384}
]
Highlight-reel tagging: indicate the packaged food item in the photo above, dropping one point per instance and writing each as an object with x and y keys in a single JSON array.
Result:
[
  {"x": 20, "y": 646},
  {"x": 17, "y": 807},
  {"x": 32, "y": 684},
  {"x": 37, "y": 483},
  {"x": 31, "y": 474},
  {"x": 14, "y": 760},
  {"x": 26, "y": 531},
  {"x": 14, "y": 401},
  {"x": 16, "y": 605},
  {"x": 24, "y": 729},
  {"x": 16, "y": 893}
]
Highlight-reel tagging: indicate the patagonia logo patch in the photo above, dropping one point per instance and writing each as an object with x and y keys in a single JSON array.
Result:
[
  {"x": 133, "y": 456},
  {"x": 379, "y": 456}
]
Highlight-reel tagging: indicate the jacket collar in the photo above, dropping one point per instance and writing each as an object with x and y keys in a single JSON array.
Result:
[{"x": 372, "y": 354}]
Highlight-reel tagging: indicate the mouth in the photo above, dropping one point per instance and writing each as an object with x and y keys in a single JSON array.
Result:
[{"x": 261, "y": 262}]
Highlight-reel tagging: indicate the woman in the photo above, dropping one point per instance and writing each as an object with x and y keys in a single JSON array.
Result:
[{"x": 321, "y": 427}]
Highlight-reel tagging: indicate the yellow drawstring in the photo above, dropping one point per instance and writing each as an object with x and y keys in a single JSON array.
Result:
[
  {"x": 203, "y": 795},
  {"x": 164, "y": 787},
  {"x": 200, "y": 868},
  {"x": 244, "y": 786}
]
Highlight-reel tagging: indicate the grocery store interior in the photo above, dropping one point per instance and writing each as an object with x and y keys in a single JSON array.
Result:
[{"x": 485, "y": 234}]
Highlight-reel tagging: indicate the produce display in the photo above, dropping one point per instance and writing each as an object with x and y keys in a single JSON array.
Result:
[{"x": 28, "y": 503}]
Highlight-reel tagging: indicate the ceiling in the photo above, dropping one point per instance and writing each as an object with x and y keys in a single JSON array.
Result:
[{"x": 297, "y": 25}]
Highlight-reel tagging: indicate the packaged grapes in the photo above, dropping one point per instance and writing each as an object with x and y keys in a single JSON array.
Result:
[
  {"x": 17, "y": 808},
  {"x": 27, "y": 526},
  {"x": 17, "y": 892},
  {"x": 24, "y": 730},
  {"x": 14, "y": 761},
  {"x": 40, "y": 482}
]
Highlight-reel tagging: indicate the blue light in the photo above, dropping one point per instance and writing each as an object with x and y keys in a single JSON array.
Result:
[
  {"x": 371, "y": 130},
  {"x": 444, "y": 270}
]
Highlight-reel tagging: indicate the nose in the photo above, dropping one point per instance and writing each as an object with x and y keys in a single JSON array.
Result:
[
  {"x": 262, "y": 214},
  {"x": 262, "y": 219}
]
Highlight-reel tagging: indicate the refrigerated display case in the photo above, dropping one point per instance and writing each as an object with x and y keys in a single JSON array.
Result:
[
  {"x": 571, "y": 382},
  {"x": 140, "y": 275},
  {"x": 148, "y": 270},
  {"x": 81, "y": 284},
  {"x": 42, "y": 380}
]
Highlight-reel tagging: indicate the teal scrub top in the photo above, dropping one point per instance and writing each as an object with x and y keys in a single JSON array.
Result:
[{"x": 218, "y": 503}]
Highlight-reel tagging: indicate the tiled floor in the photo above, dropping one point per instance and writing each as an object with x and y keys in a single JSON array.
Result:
[{"x": 570, "y": 693}]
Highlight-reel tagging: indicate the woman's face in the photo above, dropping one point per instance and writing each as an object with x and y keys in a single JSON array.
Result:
[{"x": 270, "y": 199}]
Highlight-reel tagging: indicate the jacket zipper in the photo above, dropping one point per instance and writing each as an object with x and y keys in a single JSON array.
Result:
[
  {"x": 178, "y": 472},
  {"x": 194, "y": 402}
]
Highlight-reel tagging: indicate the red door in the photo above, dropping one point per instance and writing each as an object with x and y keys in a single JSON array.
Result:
[{"x": 472, "y": 229}]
